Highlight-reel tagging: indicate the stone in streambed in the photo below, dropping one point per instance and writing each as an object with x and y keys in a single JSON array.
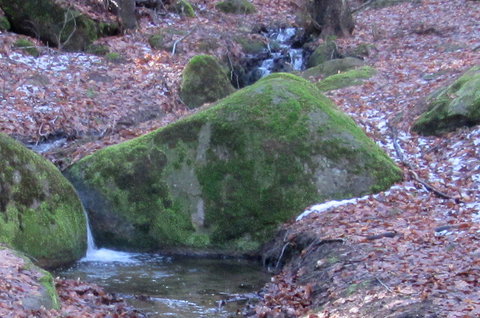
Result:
[{"x": 226, "y": 177}]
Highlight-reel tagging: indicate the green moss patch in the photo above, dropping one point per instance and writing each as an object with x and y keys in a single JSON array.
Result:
[
  {"x": 348, "y": 78},
  {"x": 333, "y": 67},
  {"x": 183, "y": 7},
  {"x": 236, "y": 6},
  {"x": 451, "y": 107},
  {"x": 40, "y": 213},
  {"x": 27, "y": 47},
  {"x": 251, "y": 45},
  {"x": 55, "y": 24},
  {"x": 4, "y": 24}
]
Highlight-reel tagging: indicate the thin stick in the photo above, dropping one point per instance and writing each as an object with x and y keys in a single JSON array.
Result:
[
  {"x": 181, "y": 39},
  {"x": 383, "y": 284}
]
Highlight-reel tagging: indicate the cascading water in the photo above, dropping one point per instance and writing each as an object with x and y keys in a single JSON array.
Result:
[
  {"x": 283, "y": 55},
  {"x": 95, "y": 254}
]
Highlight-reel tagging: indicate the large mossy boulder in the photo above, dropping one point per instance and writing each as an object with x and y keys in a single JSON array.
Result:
[
  {"x": 204, "y": 80},
  {"x": 451, "y": 107},
  {"x": 227, "y": 176},
  {"x": 40, "y": 212},
  {"x": 54, "y": 23}
]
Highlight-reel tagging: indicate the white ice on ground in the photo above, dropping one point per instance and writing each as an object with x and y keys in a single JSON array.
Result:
[{"x": 322, "y": 207}]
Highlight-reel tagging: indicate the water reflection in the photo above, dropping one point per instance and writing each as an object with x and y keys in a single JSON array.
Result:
[{"x": 173, "y": 287}]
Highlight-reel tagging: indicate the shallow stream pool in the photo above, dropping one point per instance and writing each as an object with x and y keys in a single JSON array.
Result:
[{"x": 171, "y": 287}]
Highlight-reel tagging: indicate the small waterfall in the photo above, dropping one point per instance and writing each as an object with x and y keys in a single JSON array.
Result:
[
  {"x": 91, "y": 247},
  {"x": 283, "y": 56},
  {"x": 95, "y": 254}
]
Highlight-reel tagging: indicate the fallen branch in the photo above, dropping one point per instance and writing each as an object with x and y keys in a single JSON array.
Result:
[
  {"x": 406, "y": 163},
  {"x": 181, "y": 39},
  {"x": 384, "y": 285}
]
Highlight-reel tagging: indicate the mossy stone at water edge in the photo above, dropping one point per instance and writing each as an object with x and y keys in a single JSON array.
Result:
[
  {"x": 451, "y": 107},
  {"x": 54, "y": 23},
  {"x": 227, "y": 176},
  {"x": 324, "y": 52},
  {"x": 204, "y": 80},
  {"x": 40, "y": 213},
  {"x": 40, "y": 291}
]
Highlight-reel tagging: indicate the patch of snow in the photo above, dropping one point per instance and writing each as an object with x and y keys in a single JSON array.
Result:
[{"x": 322, "y": 207}]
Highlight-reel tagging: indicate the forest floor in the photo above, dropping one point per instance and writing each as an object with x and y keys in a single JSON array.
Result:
[{"x": 412, "y": 250}]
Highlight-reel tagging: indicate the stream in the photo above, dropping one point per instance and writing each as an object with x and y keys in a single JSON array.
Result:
[{"x": 165, "y": 286}]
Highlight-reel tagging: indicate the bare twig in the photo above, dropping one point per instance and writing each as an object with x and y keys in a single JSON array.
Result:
[
  {"x": 362, "y": 6},
  {"x": 66, "y": 20},
  {"x": 384, "y": 285},
  {"x": 181, "y": 39}
]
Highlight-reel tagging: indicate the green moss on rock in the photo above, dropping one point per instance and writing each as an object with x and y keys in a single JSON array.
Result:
[
  {"x": 452, "y": 107},
  {"x": 345, "y": 79},
  {"x": 183, "y": 7},
  {"x": 4, "y": 24},
  {"x": 204, "y": 80},
  {"x": 40, "y": 213},
  {"x": 54, "y": 23},
  {"x": 98, "y": 49},
  {"x": 236, "y": 6},
  {"x": 251, "y": 45},
  {"x": 332, "y": 67},
  {"x": 227, "y": 176},
  {"x": 324, "y": 52}
]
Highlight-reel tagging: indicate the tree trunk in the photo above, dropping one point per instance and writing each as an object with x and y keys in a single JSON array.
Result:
[
  {"x": 126, "y": 13},
  {"x": 331, "y": 17}
]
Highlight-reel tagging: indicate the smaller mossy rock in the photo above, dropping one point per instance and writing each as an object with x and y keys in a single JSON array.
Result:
[
  {"x": 236, "y": 6},
  {"x": 98, "y": 49},
  {"x": 228, "y": 176},
  {"x": 40, "y": 212},
  {"x": 251, "y": 45},
  {"x": 114, "y": 57},
  {"x": 40, "y": 291},
  {"x": 345, "y": 79},
  {"x": 452, "y": 107},
  {"x": 27, "y": 47},
  {"x": 54, "y": 23},
  {"x": 4, "y": 23},
  {"x": 204, "y": 80},
  {"x": 333, "y": 67},
  {"x": 324, "y": 52},
  {"x": 184, "y": 8}
]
